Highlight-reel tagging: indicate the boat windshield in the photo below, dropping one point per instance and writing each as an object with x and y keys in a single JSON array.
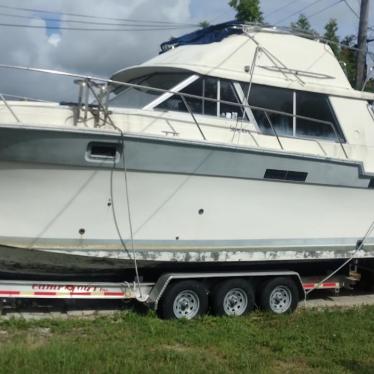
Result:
[{"x": 134, "y": 97}]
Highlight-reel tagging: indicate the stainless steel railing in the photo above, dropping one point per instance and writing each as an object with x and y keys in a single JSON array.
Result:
[{"x": 90, "y": 83}]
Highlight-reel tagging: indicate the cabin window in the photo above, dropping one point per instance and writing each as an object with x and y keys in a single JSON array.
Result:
[
  {"x": 176, "y": 104},
  {"x": 273, "y": 99},
  {"x": 196, "y": 89},
  {"x": 134, "y": 97},
  {"x": 210, "y": 92},
  {"x": 316, "y": 106},
  {"x": 204, "y": 88},
  {"x": 207, "y": 88},
  {"x": 228, "y": 93}
]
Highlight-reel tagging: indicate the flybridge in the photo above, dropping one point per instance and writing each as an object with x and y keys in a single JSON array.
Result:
[{"x": 217, "y": 33}]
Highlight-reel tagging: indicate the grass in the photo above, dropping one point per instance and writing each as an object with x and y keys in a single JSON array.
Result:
[{"x": 338, "y": 341}]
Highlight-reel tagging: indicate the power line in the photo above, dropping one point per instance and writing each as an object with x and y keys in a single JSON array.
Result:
[
  {"x": 282, "y": 7},
  {"x": 85, "y": 22},
  {"x": 351, "y": 9},
  {"x": 89, "y": 16},
  {"x": 144, "y": 29},
  {"x": 299, "y": 11},
  {"x": 324, "y": 9},
  {"x": 150, "y": 28}
]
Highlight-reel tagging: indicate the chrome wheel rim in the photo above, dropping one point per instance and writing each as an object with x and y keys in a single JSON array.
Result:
[
  {"x": 186, "y": 305},
  {"x": 235, "y": 302},
  {"x": 280, "y": 299}
]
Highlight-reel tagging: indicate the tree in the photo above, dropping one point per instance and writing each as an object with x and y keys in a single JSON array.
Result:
[
  {"x": 302, "y": 24},
  {"x": 204, "y": 24},
  {"x": 247, "y": 10},
  {"x": 331, "y": 36},
  {"x": 348, "y": 57}
]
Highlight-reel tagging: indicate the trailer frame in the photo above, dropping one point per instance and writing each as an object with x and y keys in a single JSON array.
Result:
[{"x": 151, "y": 294}]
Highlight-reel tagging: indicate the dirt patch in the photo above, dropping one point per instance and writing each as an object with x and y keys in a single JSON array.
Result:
[
  {"x": 295, "y": 366},
  {"x": 177, "y": 348}
]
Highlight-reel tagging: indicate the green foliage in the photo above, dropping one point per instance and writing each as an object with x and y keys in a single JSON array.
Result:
[
  {"x": 331, "y": 341},
  {"x": 204, "y": 24},
  {"x": 302, "y": 24},
  {"x": 342, "y": 50},
  {"x": 331, "y": 34},
  {"x": 348, "y": 58},
  {"x": 247, "y": 10}
]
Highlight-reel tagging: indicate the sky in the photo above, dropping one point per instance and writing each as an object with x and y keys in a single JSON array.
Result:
[{"x": 102, "y": 53}]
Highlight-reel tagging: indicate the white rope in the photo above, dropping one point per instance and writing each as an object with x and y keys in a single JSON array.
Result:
[
  {"x": 129, "y": 214},
  {"x": 368, "y": 233},
  {"x": 137, "y": 280}
]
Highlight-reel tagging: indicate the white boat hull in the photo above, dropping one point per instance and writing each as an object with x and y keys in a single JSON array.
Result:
[
  {"x": 72, "y": 210},
  {"x": 177, "y": 217}
]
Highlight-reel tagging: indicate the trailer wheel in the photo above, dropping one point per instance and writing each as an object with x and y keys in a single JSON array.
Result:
[
  {"x": 185, "y": 299},
  {"x": 279, "y": 296},
  {"x": 233, "y": 297}
]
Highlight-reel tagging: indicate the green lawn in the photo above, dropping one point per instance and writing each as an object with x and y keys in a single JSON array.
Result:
[{"x": 340, "y": 341}]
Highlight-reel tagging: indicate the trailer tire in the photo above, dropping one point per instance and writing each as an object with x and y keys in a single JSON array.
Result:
[
  {"x": 185, "y": 299},
  {"x": 279, "y": 295},
  {"x": 233, "y": 297}
]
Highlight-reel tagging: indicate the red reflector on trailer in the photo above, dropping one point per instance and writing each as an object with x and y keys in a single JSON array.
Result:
[
  {"x": 309, "y": 286},
  {"x": 9, "y": 292},
  {"x": 39, "y": 293},
  {"x": 330, "y": 285},
  {"x": 114, "y": 294},
  {"x": 80, "y": 293}
]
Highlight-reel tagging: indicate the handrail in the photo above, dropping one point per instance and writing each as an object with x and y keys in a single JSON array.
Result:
[
  {"x": 320, "y": 145},
  {"x": 193, "y": 116},
  {"x": 25, "y": 98},
  {"x": 250, "y": 132},
  {"x": 181, "y": 94},
  {"x": 133, "y": 85},
  {"x": 272, "y": 127},
  {"x": 239, "y": 105},
  {"x": 100, "y": 105},
  {"x": 9, "y": 108}
]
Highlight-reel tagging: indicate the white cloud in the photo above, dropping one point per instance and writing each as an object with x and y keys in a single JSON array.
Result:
[
  {"x": 54, "y": 39},
  {"x": 102, "y": 53},
  {"x": 99, "y": 53}
]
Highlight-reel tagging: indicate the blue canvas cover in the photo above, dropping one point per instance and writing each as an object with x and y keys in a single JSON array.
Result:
[{"x": 208, "y": 35}]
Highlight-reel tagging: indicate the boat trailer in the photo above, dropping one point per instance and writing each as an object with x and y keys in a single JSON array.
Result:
[{"x": 160, "y": 295}]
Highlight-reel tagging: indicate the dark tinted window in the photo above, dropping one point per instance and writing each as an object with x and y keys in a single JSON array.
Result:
[
  {"x": 196, "y": 89},
  {"x": 317, "y": 106},
  {"x": 131, "y": 97},
  {"x": 175, "y": 103},
  {"x": 273, "y": 98},
  {"x": 207, "y": 88},
  {"x": 210, "y": 91},
  {"x": 228, "y": 94},
  {"x": 202, "y": 88}
]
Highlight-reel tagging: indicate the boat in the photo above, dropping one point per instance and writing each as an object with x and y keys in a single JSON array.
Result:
[{"x": 238, "y": 145}]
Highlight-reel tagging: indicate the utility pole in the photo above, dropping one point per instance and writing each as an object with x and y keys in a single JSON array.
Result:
[{"x": 362, "y": 44}]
